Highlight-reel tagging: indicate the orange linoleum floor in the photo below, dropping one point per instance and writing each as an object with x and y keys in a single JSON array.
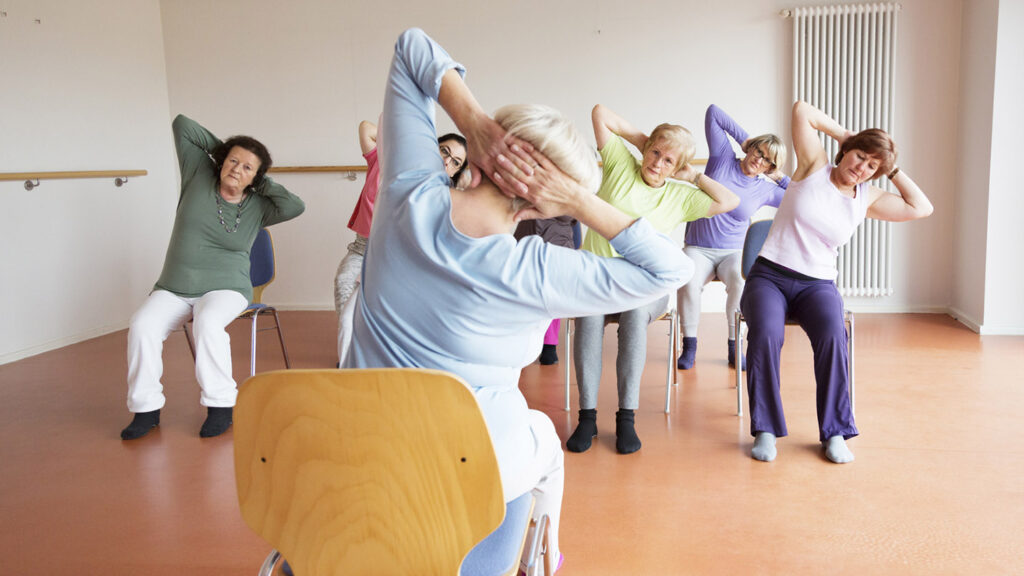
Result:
[{"x": 937, "y": 486}]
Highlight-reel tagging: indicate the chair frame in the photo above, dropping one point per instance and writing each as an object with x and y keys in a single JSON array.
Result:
[
  {"x": 671, "y": 376},
  {"x": 252, "y": 312}
]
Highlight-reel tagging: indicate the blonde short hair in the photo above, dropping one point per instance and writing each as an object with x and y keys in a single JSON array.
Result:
[
  {"x": 678, "y": 137},
  {"x": 554, "y": 136},
  {"x": 776, "y": 148}
]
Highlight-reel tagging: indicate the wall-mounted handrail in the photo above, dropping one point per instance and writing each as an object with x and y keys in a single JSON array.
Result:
[
  {"x": 32, "y": 178},
  {"x": 317, "y": 169},
  {"x": 65, "y": 175}
]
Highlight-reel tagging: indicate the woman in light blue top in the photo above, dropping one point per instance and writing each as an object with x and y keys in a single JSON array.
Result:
[{"x": 446, "y": 286}]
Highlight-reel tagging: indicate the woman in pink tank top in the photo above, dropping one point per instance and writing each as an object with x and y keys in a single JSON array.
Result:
[{"x": 794, "y": 275}]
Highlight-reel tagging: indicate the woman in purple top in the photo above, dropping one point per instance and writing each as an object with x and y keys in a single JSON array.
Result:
[
  {"x": 715, "y": 244},
  {"x": 794, "y": 275}
]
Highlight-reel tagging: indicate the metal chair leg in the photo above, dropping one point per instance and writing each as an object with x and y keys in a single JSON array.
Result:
[
  {"x": 740, "y": 323},
  {"x": 268, "y": 564},
  {"x": 567, "y": 338},
  {"x": 252, "y": 349},
  {"x": 670, "y": 377},
  {"x": 280, "y": 336},
  {"x": 188, "y": 339}
]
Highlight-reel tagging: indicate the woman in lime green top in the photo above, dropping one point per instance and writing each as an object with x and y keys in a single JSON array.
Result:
[
  {"x": 640, "y": 189},
  {"x": 225, "y": 199}
]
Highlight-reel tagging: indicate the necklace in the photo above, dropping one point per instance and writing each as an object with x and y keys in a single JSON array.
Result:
[{"x": 220, "y": 214}]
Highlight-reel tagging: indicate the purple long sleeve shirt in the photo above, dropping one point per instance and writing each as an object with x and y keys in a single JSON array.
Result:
[{"x": 728, "y": 230}]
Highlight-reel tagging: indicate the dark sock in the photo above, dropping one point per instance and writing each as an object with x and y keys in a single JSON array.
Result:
[
  {"x": 141, "y": 424},
  {"x": 285, "y": 568},
  {"x": 626, "y": 440},
  {"x": 218, "y": 420},
  {"x": 584, "y": 433},
  {"x": 689, "y": 355},
  {"x": 549, "y": 355},
  {"x": 732, "y": 356}
]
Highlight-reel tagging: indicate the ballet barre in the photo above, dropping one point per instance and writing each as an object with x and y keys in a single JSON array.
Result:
[{"x": 32, "y": 179}]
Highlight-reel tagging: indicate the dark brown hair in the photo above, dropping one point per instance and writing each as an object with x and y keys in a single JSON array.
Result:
[
  {"x": 873, "y": 142},
  {"x": 457, "y": 138},
  {"x": 220, "y": 153}
]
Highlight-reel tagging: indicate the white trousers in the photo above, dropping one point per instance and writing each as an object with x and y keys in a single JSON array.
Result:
[
  {"x": 346, "y": 284},
  {"x": 546, "y": 472},
  {"x": 709, "y": 263},
  {"x": 161, "y": 314},
  {"x": 345, "y": 320}
]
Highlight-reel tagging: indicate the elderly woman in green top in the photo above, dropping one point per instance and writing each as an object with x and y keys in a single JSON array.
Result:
[
  {"x": 640, "y": 189},
  {"x": 225, "y": 199}
]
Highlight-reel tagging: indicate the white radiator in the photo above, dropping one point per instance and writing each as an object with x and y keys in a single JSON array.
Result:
[{"x": 844, "y": 59}]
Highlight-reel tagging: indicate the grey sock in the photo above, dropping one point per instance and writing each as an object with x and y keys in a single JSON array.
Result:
[
  {"x": 837, "y": 451},
  {"x": 764, "y": 447}
]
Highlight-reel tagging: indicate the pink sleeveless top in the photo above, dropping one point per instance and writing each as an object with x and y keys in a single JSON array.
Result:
[
  {"x": 813, "y": 221},
  {"x": 362, "y": 215}
]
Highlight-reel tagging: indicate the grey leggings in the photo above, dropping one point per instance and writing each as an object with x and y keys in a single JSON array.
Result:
[{"x": 629, "y": 364}]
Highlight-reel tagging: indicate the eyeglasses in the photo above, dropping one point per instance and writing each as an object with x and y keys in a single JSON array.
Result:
[
  {"x": 759, "y": 155},
  {"x": 446, "y": 156}
]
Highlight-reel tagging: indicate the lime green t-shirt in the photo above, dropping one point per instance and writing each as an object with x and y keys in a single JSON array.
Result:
[{"x": 623, "y": 187}]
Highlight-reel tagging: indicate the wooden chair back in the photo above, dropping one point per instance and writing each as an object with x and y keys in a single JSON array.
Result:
[{"x": 383, "y": 471}]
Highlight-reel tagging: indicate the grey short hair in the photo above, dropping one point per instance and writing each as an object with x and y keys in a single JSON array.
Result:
[{"x": 776, "y": 148}]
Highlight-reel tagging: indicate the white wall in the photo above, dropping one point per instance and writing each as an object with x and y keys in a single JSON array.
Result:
[
  {"x": 84, "y": 88},
  {"x": 95, "y": 83},
  {"x": 1004, "y": 306},
  {"x": 315, "y": 68},
  {"x": 977, "y": 68}
]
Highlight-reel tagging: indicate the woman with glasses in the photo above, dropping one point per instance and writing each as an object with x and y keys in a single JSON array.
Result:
[
  {"x": 715, "y": 244},
  {"x": 794, "y": 274},
  {"x": 453, "y": 153}
]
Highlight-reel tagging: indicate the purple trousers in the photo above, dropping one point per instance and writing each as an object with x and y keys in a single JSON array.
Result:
[{"x": 772, "y": 295}]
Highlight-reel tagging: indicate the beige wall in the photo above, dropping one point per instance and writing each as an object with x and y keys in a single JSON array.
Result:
[
  {"x": 82, "y": 89},
  {"x": 96, "y": 84},
  {"x": 1004, "y": 273}
]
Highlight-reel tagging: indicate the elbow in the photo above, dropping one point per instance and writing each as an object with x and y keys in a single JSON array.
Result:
[
  {"x": 801, "y": 111},
  {"x": 407, "y": 38},
  {"x": 733, "y": 202}
]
